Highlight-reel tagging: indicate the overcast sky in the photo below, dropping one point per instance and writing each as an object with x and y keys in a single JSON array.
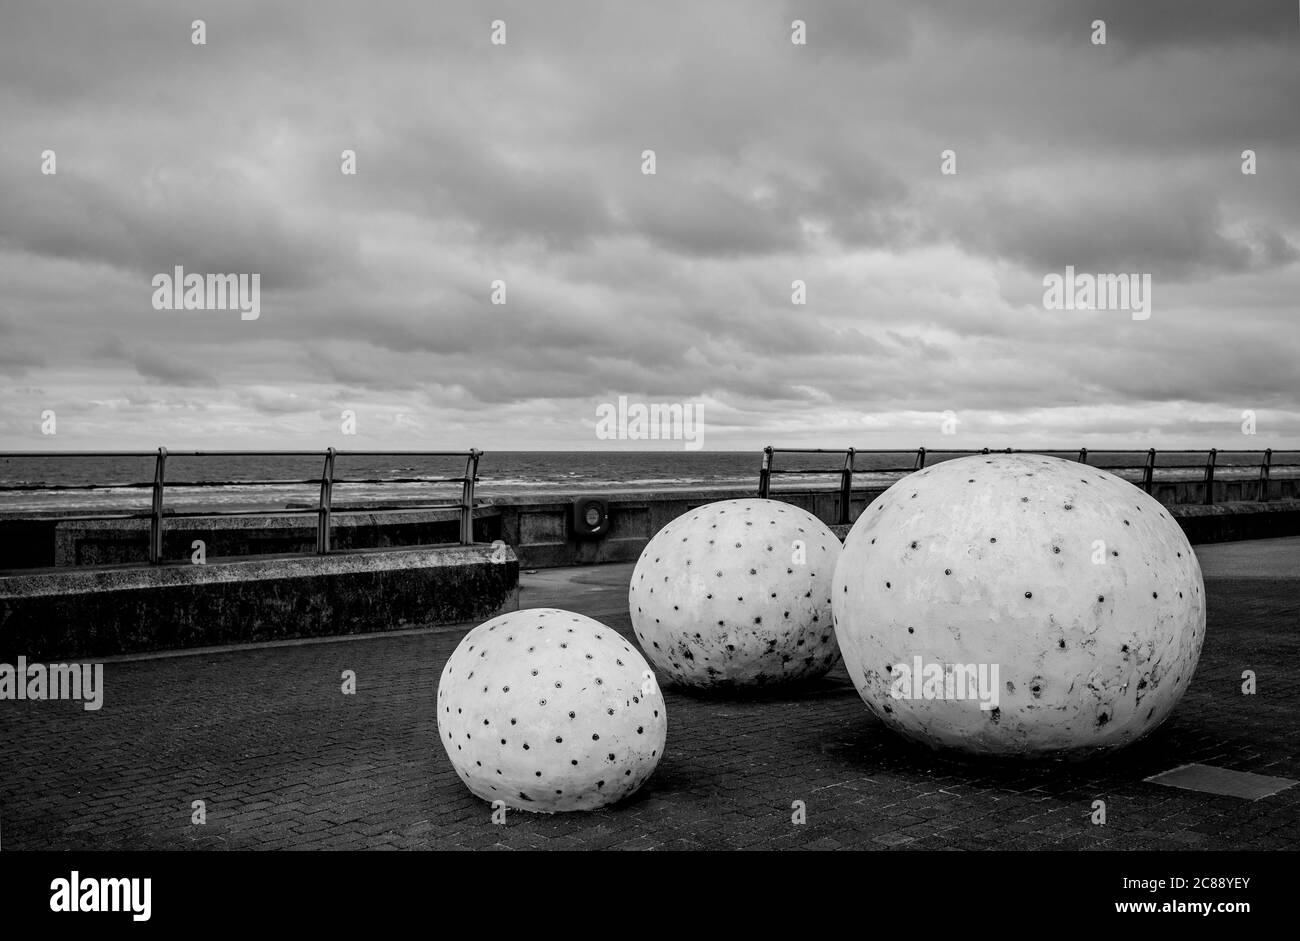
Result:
[{"x": 775, "y": 162}]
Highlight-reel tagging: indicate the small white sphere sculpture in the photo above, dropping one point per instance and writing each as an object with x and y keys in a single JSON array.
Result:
[
  {"x": 548, "y": 710},
  {"x": 737, "y": 594}
]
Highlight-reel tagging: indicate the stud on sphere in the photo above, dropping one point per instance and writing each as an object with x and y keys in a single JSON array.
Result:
[
  {"x": 1079, "y": 588},
  {"x": 737, "y": 594},
  {"x": 549, "y": 710}
]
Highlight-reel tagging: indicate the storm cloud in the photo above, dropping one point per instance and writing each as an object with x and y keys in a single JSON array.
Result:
[{"x": 775, "y": 163}]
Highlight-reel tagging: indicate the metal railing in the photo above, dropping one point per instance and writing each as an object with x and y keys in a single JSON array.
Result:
[
  {"x": 1147, "y": 466},
  {"x": 324, "y": 510}
]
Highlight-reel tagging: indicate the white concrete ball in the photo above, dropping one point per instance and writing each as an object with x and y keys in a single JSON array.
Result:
[
  {"x": 549, "y": 710},
  {"x": 736, "y": 594},
  {"x": 1080, "y": 588}
]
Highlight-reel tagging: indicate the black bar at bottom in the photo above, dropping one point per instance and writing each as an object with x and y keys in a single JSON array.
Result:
[{"x": 930, "y": 894}]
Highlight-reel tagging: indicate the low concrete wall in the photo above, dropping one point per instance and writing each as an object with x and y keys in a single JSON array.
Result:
[
  {"x": 539, "y": 528},
  {"x": 1226, "y": 522},
  {"x": 117, "y": 542},
  {"x": 83, "y": 612},
  {"x": 540, "y": 532}
]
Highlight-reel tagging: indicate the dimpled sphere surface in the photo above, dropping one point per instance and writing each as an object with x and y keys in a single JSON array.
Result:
[
  {"x": 548, "y": 710},
  {"x": 724, "y": 597},
  {"x": 1079, "y": 586}
]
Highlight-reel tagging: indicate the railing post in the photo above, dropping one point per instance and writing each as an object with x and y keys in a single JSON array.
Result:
[
  {"x": 326, "y": 504},
  {"x": 1209, "y": 475},
  {"x": 920, "y": 458},
  {"x": 1264, "y": 466},
  {"x": 467, "y": 498},
  {"x": 846, "y": 487},
  {"x": 765, "y": 474},
  {"x": 156, "y": 517},
  {"x": 1083, "y": 455},
  {"x": 1149, "y": 470}
]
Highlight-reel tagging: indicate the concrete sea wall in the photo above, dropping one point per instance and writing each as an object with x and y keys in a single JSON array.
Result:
[
  {"x": 540, "y": 528},
  {"x": 97, "y": 597},
  {"x": 95, "y": 612}
]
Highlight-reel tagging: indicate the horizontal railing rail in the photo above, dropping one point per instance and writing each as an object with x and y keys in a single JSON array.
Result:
[
  {"x": 1147, "y": 465},
  {"x": 325, "y": 510}
]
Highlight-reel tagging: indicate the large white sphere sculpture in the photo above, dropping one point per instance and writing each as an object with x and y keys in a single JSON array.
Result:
[
  {"x": 1019, "y": 605},
  {"x": 548, "y": 710},
  {"x": 737, "y": 594}
]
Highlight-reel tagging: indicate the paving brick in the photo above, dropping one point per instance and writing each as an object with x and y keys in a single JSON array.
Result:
[{"x": 284, "y": 760}]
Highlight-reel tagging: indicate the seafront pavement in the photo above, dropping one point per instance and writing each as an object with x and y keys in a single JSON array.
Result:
[{"x": 281, "y": 759}]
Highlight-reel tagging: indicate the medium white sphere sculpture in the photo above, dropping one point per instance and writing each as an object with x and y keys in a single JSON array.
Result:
[
  {"x": 1019, "y": 605},
  {"x": 548, "y": 710},
  {"x": 737, "y": 594}
]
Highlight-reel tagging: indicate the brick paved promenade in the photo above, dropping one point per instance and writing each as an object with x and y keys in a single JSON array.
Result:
[{"x": 283, "y": 760}]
